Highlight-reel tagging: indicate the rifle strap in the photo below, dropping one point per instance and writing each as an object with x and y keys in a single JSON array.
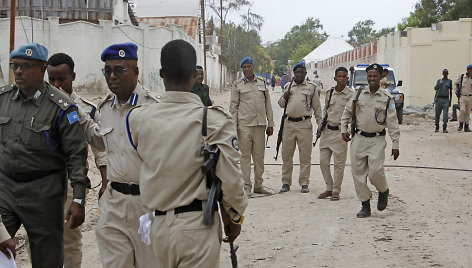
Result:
[
  {"x": 204, "y": 124},
  {"x": 354, "y": 101},
  {"x": 329, "y": 99},
  {"x": 286, "y": 101}
]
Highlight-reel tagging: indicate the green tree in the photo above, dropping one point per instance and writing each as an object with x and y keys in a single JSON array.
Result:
[
  {"x": 243, "y": 40},
  {"x": 362, "y": 32},
  {"x": 432, "y": 11},
  {"x": 297, "y": 43}
]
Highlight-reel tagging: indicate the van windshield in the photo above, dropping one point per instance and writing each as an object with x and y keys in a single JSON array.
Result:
[{"x": 360, "y": 78}]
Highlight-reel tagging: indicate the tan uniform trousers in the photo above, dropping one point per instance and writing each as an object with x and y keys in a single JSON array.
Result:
[
  {"x": 182, "y": 240},
  {"x": 332, "y": 144},
  {"x": 303, "y": 137},
  {"x": 252, "y": 143},
  {"x": 367, "y": 160},
  {"x": 72, "y": 238},
  {"x": 118, "y": 240},
  {"x": 466, "y": 106}
]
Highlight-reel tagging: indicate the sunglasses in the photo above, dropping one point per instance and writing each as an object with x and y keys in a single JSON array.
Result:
[
  {"x": 23, "y": 66},
  {"x": 118, "y": 71}
]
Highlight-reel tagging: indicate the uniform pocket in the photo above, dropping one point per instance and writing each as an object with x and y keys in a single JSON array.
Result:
[
  {"x": 3, "y": 126},
  {"x": 38, "y": 137},
  {"x": 106, "y": 133}
]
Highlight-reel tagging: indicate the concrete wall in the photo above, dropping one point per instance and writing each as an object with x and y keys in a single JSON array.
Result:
[
  {"x": 418, "y": 58},
  {"x": 84, "y": 42}
]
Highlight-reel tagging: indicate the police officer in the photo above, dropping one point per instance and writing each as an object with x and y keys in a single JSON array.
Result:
[
  {"x": 465, "y": 95},
  {"x": 442, "y": 100},
  {"x": 251, "y": 109},
  {"x": 375, "y": 111},
  {"x": 120, "y": 202},
  {"x": 172, "y": 182},
  {"x": 41, "y": 143},
  {"x": 302, "y": 101},
  {"x": 61, "y": 74},
  {"x": 331, "y": 142},
  {"x": 6, "y": 243},
  {"x": 202, "y": 90}
]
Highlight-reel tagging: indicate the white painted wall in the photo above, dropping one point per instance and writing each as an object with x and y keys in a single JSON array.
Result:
[
  {"x": 84, "y": 42},
  {"x": 418, "y": 59}
]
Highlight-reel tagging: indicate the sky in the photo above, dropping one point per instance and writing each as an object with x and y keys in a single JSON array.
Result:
[{"x": 337, "y": 16}]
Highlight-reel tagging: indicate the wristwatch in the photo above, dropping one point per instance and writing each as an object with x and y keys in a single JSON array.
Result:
[
  {"x": 80, "y": 201},
  {"x": 240, "y": 221}
]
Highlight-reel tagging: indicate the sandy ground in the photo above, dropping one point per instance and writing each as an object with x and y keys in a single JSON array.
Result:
[{"x": 426, "y": 223}]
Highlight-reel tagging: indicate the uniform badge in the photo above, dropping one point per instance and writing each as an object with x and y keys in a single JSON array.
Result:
[
  {"x": 121, "y": 53},
  {"x": 28, "y": 52},
  {"x": 73, "y": 117},
  {"x": 235, "y": 144}
]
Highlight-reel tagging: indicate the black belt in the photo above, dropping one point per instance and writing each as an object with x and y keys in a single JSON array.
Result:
[
  {"x": 298, "y": 119},
  {"x": 444, "y": 97},
  {"x": 29, "y": 177},
  {"x": 125, "y": 188},
  {"x": 196, "y": 205},
  {"x": 371, "y": 135},
  {"x": 333, "y": 127},
  {"x": 466, "y": 95}
]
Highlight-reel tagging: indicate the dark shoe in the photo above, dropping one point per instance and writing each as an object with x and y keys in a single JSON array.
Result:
[
  {"x": 285, "y": 188},
  {"x": 466, "y": 128},
  {"x": 383, "y": 200},
  {"x": 437, "y": 129},
  {"x": 460, "y": 126},
  {"x": 261, "y": 190},
  {"x": 365, "y": 211},
  {"x": 325, "y": 194},
  {"x": 444, "y": 129},
  {"x": 305, "y": 189}
]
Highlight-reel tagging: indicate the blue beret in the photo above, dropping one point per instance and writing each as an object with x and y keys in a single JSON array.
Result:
[
  {"x": 246, "y": 60},
  {"x": 375, "y": 66},
  {"x": 299, "y": 65},
  {"x": 32, "y": 51},
  {"x": 469, "y": 66},
  {"x": 125, "y": 51}
]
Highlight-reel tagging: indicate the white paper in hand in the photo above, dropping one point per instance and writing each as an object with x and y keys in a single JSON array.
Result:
[
  {"x": 5, "y": 262},
  {"x": 145, "y": 223}
]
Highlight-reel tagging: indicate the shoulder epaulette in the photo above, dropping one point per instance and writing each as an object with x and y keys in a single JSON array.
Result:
[
  {"x": 153, "y": 95},
  {"x": 386, "y": 92},
  {"x": 88, "y": 102},
  {"x": 222, "y": 110},
  {"x": 7, "y": 88},
  {"x": 107, "y": 98},
  {"x": 237, "y": 81},
  {"x": 310, "y": 83},
  {"x": 58, "y": 97},
  {"x": 261, "y": 78}
]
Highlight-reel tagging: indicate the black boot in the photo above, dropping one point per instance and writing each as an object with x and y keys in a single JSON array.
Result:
[
  {"x": 444, "y": 129},
  {"x": 437, "y": 129},
  {"x": 383, "y": 200},
  {"x": 365, "y": 211},
  {"x": 460, "y": 126},
  {"x": 466, "y": 128}
]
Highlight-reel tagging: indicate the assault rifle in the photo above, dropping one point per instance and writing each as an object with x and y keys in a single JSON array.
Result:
[{"x": 282, "y": 123}]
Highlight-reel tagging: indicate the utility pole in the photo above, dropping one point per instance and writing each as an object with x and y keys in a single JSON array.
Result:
[
  {"x": 221, "y": 45},
  {"x": 204, "y": 40},
  {"x": 12, "y": 36}
]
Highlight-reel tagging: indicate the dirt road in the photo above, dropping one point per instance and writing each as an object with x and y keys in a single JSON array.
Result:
[{"x": 427, "y": 221}]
